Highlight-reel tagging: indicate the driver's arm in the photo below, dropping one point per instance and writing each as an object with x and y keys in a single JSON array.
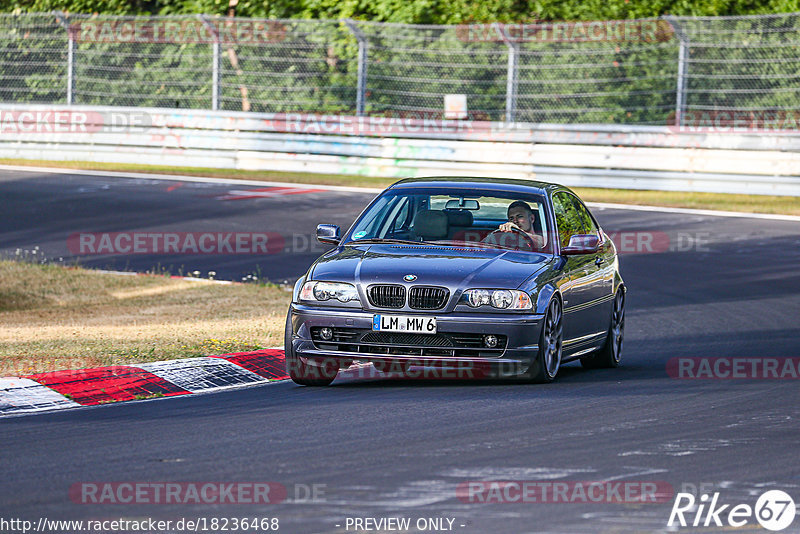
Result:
[
  {"x": 537, "y": 239},
  {"x": 509, "y": 227}
]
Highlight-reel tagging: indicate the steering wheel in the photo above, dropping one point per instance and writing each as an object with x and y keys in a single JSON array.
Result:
[{"x": 516, "y": 239}]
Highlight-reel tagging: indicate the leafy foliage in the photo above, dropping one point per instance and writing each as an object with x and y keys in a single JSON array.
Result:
[
  {"x": 418, "y": 11},
  {"x": 311, "y": 65}
]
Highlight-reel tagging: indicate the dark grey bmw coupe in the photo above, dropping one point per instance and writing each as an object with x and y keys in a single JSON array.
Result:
[{"x": 486, "y": 276}]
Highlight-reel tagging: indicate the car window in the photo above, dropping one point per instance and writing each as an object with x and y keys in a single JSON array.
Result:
[
  {"x": 401, "y": 219},
  {"x": 427, "y": 214},
  {"x": 568, "y": 220},
  {"x": 587, "y": 223},
  {"x": 370, "y": 222},
  {"x": 542, "y": 218},
  {"x": 438, "y": 201},
  {"x": 490, "y": 208}
]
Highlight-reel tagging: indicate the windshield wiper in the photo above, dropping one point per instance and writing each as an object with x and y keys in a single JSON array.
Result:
[
  {"x": 373, "y": 240},
  {"x": 476, "y": 244},
  {"x": 452, "y": 243}
]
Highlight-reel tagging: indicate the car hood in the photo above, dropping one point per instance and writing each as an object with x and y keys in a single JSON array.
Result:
[{"x": 455, "y": 268}]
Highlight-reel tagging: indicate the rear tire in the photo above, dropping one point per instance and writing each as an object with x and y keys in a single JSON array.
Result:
[
  {"x": 548, "y": 359},
  {"x": 610, "y": 355},
  {"x": 298, "y": 368}
]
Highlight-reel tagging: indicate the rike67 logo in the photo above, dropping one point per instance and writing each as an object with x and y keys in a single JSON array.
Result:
[{"x": 774, "y": 510}]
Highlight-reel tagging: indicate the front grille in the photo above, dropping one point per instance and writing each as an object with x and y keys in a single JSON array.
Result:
[
  {"x": 428, "y": 298},
  {"x": 387, "y": 296},
  {"x": 399, "y": 338},
  {"x": 408, "y": 344}
]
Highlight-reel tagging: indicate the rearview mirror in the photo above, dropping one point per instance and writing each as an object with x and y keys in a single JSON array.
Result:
[
  {"x": 328, "y": 233},
  {"x": 462, "y": 204},
  {"x": 581, "y": 244}
]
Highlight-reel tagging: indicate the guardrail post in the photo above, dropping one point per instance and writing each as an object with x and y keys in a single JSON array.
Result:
[
  {"x": 215, "y": 53},
  {"x": 511, "y": 75},
  {"x": 683, "y": 71},
  {"x": 62, "y": 19},
  {"x": 361, "y": 84}
]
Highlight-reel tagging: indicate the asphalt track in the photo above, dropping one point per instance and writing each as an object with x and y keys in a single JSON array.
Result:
[
  {"x": 725, "y": 287},
  {"x": 44, "y": 210}
]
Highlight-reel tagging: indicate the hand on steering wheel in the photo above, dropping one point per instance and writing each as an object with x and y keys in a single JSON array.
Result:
[{"x": 509, "y": 227}]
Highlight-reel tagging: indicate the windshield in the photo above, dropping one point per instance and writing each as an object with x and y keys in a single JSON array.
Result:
[{"x": 451, "y": 217}]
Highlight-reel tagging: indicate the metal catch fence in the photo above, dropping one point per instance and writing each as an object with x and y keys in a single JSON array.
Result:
[{"x": 646, "y": 72}]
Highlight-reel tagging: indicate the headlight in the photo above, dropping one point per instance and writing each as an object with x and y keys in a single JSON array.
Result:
[
  {"x": 503, "y": 299},
  {"x": 322, "y": 291},
  {"x": 478, "y": 297}
]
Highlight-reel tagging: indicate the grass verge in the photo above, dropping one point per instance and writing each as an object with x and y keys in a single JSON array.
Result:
[
  {"x": 57, "y": 317},
  {"x": 676, "y": 199},
  {"x": 705, "y": 201}
]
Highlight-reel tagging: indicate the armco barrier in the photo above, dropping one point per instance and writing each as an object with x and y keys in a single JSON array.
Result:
[{"x": 635, "y": 157}]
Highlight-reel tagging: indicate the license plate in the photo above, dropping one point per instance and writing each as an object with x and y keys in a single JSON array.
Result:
[{"x": 404, "y": 323}]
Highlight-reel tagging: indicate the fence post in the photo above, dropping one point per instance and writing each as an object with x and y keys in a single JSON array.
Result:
[
  {"x": 215, "y": 52},
  {"x": 683, "y": 71},
  {"x": 62, "y": 19},
  {"x": 511, "y": 75},
  {"x": 361, "y": 89},
  {"x": 511, "y": 82}
]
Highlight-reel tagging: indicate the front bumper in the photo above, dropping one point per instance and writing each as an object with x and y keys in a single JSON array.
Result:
[{"x": 520, "y": 332}]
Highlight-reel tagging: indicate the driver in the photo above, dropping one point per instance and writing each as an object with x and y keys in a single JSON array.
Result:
[{"x": 520, "y": 218}]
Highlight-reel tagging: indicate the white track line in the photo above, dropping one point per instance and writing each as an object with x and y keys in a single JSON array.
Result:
[
  {"x": 200, "y": 179},
  {"x": 689, "y": 211},
  {"x": 187, "y": 278},
  {"x": 182, "y": 178}
]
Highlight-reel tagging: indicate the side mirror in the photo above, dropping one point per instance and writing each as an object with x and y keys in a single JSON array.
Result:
[
  {"x": 581, "y": 244},
  {"x": 328, "y": 233}
]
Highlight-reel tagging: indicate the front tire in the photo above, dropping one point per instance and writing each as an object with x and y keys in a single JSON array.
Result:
[
  {"x": 611, "y": 353},
  {"x": 548, "y": 359},
  {"x": 299, "y": 368}
]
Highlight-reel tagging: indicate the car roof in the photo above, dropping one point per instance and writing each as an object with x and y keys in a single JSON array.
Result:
[{"x": 488, "y": 183}]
